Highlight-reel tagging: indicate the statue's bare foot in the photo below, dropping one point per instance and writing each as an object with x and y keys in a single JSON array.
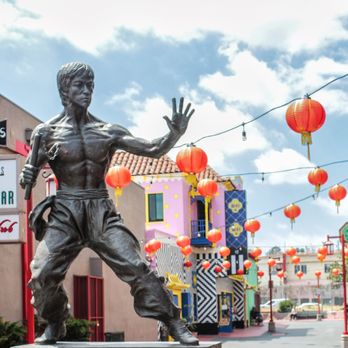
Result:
[
  {"x": 178, "y": 330},
  {"x": 52, "y": 334}
]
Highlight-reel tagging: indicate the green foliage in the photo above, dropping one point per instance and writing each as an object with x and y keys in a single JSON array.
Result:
[
  {"x": 285, "y": 306},
  {"x": 11, "y": 334},
  {"x": 77, "y": 330}
]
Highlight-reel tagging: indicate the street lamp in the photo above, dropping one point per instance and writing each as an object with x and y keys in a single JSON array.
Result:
[
  {"x": 329, "y": 246},
  {"x": 271, "y": 263},
  {"x": 318, "y": 274}
]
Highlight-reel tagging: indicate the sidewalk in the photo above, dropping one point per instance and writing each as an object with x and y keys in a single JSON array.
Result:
[{"x": 253, "y": 331}]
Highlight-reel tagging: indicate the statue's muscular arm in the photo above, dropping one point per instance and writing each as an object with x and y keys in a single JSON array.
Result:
[
  {"x": 30, "y": 173},
  {"x": 124, "y": 140}
]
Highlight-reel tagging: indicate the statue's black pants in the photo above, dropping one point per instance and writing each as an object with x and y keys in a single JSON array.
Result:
[{"x": 76, "y": 222}]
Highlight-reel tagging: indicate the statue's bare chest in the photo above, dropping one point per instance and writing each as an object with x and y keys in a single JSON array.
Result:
[{"x": 68, "y": 145}]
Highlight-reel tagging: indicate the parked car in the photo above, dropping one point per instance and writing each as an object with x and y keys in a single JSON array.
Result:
[
  {"x": 309, "y": 310},
  {"x": 275, "y": 305}
]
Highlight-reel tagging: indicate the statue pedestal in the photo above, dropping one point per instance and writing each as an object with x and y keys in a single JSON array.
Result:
[{"x": 202, "y": 344}]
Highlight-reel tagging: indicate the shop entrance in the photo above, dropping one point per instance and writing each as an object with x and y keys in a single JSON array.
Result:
[{"x": 225, "y": 316}]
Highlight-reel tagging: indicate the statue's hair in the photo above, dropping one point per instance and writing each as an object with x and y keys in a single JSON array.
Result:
[{"x": 66, "y": 73}]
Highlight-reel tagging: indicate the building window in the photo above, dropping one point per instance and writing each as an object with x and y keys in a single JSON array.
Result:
[
  {"x": 327, "y": 268},
  {"x": 302, "y": 268},
  {"x": 155, "y": 206}
]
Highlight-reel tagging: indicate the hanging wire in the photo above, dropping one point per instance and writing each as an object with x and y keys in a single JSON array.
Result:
[
  {"x": 286, "y": 170},
  {"x": 243, "y": 124},
  {"x": 270, "y": 212}
]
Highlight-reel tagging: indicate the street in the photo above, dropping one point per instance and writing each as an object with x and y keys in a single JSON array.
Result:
[{"x": 302, "y": 333}]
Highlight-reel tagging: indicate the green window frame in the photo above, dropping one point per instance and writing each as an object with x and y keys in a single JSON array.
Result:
[{"x": 155, "y": 207}]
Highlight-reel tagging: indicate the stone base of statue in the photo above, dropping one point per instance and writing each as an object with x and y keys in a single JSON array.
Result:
[{"x": 202, "y": 344}]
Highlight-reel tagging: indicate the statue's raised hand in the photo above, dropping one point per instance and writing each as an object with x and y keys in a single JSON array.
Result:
[{"x": 180, "y": 119}]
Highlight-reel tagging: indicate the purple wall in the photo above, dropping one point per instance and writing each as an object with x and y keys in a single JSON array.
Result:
[{"x": 178, "y": 210}]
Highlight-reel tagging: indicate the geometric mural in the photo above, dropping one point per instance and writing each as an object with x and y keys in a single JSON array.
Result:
[
  {"x": 206, "y": 287},
  {"x": 238, "y": 291}
]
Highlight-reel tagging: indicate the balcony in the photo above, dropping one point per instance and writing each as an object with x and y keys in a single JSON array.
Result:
[{"x": 198, "y": 238}]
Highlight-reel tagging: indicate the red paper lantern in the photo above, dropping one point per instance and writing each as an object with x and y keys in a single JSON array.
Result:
[
  {"x": 226, "y": 264},
  {"x": 205, "y": 264},
  {"x": 317, "y": 274},
  {"x": 256, "y": 252},
  {"x": 188, "y": 264},
  {"x": 292, "y": 211},
  {"x": 207, "y": 188},
  {"x": 295, "y": 260},
  {"x": 260, "y": 274},
  {"x": 224, "y": 251},
  {"x": 335, "y": 272},
  {"x": 271, "y": 262},
  {"x": 154, "y": 245},
  {"x": 183, "y": 241},
  {"x": 217, "y": 269},
  {"x": 322, "y": 250},
  {"x": 191, "y": 160},
  {"x": 321, "y": 257},
  {"x": 187, "y": 250},
  {"x": 291, "y": 252},
  {"x": 337, "y": 193},
  {"x": 281, "y": 274},
  {"x": 305, "y": 116},
  {"x": 214, "y": 235},
  {"x": 300, "y": 274},
  {"x": 247, "y": 264},
  {"x": 252, "y": 226},
  {"x": 240, "y": 272},
  {"x": 118, "y": 177},
  {"x": 317, "y": 177},
  {"x": 147, "y": 248}
]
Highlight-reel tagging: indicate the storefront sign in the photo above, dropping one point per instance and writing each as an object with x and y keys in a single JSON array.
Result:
[
  {"x": 9, "y": 228},
  {"x": 3, "y": 132},
  {"x": 8, "y": 183}
]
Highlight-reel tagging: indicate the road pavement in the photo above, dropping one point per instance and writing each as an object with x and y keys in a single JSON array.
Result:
[{"x": 300, "y": 333}]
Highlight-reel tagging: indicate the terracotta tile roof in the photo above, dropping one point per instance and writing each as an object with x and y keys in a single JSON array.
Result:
[{"x": 140, "y": 165}]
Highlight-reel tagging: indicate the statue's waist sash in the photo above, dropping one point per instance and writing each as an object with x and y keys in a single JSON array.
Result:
[
  {"x": 83, "y": 194},
  {"x": 36, "y": 221}
]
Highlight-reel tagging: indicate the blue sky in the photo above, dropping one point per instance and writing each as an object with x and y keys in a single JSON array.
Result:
[{"x": 232, "y": 59}]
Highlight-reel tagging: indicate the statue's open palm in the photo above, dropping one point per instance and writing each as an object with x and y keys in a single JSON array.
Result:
[{"x": 180, "y": 119}]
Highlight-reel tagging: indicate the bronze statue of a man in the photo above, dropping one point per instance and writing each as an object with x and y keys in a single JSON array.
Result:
[{"x": 79, "y": 147}]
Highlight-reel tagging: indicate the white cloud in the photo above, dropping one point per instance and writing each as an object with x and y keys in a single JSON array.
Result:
[
  {"x": 208, "y": 119},
  {"x": 274, "y": 160},
  {"x": 286, "y": 25},
  {"x": 127, "y": 96},
  {"x": 329, "y": 206},
  {"x": 251, "y": 82}
]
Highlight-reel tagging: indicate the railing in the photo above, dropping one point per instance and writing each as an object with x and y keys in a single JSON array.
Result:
[{"x": 198, "y": 233}]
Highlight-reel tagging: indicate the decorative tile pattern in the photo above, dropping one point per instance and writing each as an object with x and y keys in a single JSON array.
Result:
[{"x": 235, "y": 216}]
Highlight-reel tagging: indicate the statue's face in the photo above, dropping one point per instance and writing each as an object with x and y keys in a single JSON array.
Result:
[{"x": 80, "y": 90}]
